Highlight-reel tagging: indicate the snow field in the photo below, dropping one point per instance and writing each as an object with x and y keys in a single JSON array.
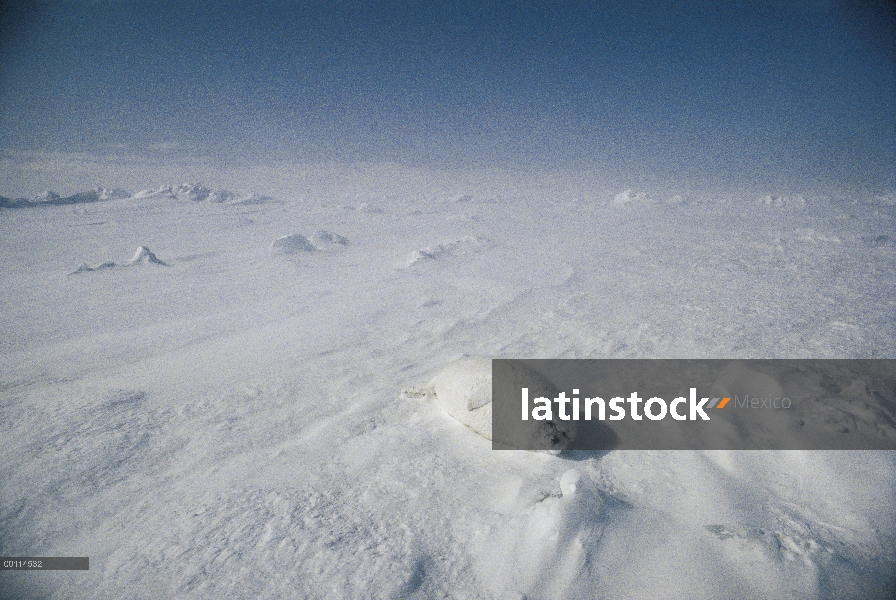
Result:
[{"x": 233, "y": 425}]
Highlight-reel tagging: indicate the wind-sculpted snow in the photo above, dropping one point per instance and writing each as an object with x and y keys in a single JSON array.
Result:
[
  {"x": 298, "y": 243},
  {"x": 85, "y": 268},
  {"x": 292, "y": 243},
  {"x": 241, "y": 425},
  {"x": 143, "y": 255},
  {"x": 439, "y": 251},
  {"x": 196, "y": 192}
]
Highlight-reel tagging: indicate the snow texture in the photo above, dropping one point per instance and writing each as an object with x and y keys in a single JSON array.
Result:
[
  {"x": 234, "y": 426},
  {"x": 467, "y": 243}
]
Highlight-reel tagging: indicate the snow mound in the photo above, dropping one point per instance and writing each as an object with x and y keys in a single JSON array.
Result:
[
  {"x": 112, "y": 194},
  {"x": 289, "y": 244},
  {"x": 629, "y": 197},
  {"x": 774, "y": 201},
  {"x": 164, "y": 191},
  {"x": 197, "y": 192},
  {"x": 193, "y": 192},
  {"x": 548, "y": 534},
  {"x": 328, "y": 238},
  {"x": 464, "y": 390},
  {"x": 85, "y": 268},
  {"x": 47, "y": 197},
  {"x": 144, "y": 255},
  {"x": 443, "y": 250},
  {"x": 94, "y": 195}
]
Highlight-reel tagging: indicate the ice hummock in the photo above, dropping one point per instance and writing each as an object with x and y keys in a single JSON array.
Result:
[
  {"x": 292, "y": 243},
  {"x": 144, "y": 255}
]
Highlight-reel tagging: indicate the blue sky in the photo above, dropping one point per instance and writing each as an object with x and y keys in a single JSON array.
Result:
[{"x": 795, "y": 93}]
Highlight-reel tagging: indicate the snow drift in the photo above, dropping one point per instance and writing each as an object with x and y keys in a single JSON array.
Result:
[
  {"x": 144, "y": 255},
  {"x": 292, "y": 243}
]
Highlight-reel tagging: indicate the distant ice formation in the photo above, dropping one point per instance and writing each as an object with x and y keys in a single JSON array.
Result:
[
  {"x": 775, "y": 201},
  {"x": 289, "y": 244},
  {"x": 196, "y": 192},
  {"x": 441, "y": 250},
  {"x": 296, "y": 242},
  {"x": 193, "y": 192},
  {"x": 630, "y": 197},
  {"x": 144, "y": 255},
  {"x": 49, "y": 198},
  {"x": 85, "y": 268}
]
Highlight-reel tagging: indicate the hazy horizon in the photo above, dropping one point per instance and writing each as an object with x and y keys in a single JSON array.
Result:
[{"x": 739, "y": 94}]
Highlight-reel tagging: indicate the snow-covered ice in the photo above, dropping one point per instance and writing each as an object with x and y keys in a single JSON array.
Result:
[
  {"x": 289, "y": 244},
  {"x": 239, "y": 425},
  {"x": 144, "y": 255}
]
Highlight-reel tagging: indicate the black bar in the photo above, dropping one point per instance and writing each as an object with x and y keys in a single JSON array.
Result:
[{"x": 44, "y": 563}]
